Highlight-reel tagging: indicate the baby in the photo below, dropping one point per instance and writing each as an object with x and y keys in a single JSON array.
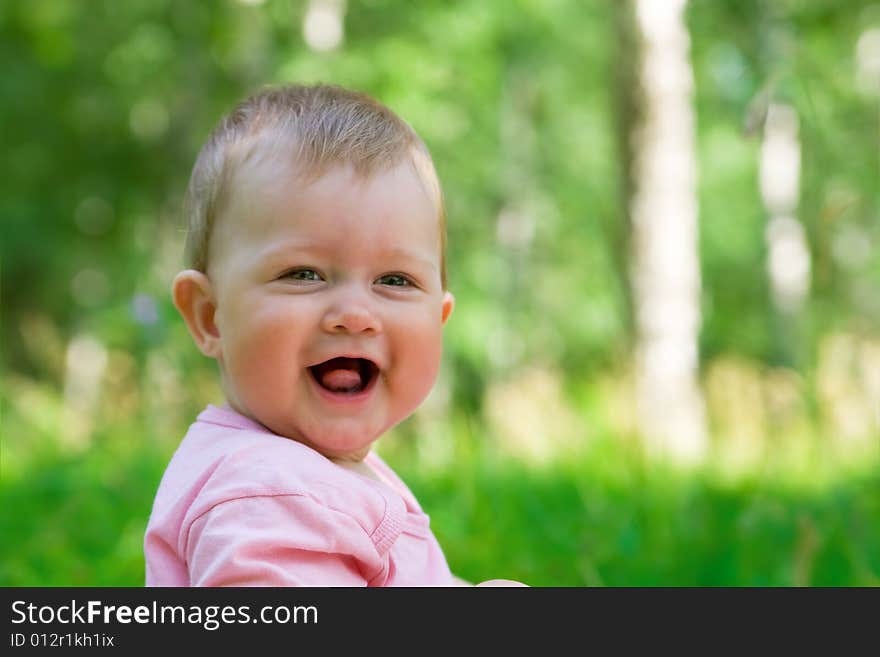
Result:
[{"x": 317, "y": 280}]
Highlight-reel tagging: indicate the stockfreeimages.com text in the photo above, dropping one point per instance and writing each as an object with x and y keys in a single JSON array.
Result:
[{"x": 210, "y": 617}]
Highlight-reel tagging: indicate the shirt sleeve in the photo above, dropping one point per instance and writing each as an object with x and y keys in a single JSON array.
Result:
[{"x": 279, "y": 540}]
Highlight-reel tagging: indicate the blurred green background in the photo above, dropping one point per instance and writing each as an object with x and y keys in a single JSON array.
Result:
[{"x": 528, "y": 455}]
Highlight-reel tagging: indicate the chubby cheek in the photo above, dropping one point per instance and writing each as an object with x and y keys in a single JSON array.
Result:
[
  {"x": 260, "y": 362},
  {"x": 418, "y": 358}
]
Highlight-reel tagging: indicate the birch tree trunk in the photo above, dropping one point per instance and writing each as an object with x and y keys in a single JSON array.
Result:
[
  {"x": 788, "y": 256},
  {"x": 665, "y": 274}
]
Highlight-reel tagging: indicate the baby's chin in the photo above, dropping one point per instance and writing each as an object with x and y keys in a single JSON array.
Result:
[
  {"x": 346, "y": 439},
  {"x": 335, "y": 448},
  {"x": 342, "y": 444}
]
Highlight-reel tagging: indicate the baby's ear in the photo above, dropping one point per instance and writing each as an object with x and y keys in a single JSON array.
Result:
[
  {"x": 193, "y": 296},
  {"x": 448, "y": 305}
]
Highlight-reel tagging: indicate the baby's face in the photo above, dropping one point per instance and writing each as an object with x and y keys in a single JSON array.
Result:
[{"x": 329, "y": 303}]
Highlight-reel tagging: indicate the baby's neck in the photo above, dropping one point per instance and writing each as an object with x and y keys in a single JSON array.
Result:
[{"x": 360, "y": 467}]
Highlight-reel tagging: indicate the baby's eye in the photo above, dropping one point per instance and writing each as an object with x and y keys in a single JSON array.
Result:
[
  {"x": 394, "y": 280},
  {"x": 302, "y": 274}
]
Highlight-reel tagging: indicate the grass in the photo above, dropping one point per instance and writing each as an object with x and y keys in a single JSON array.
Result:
[
  {"x": 557, "y": 531},
  {"x": 604, "y": 518}
]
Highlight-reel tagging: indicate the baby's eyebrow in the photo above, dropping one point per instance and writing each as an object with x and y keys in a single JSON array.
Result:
[
  {"x": 406, "y": 254},
  {"x": 297, "y": 247}
]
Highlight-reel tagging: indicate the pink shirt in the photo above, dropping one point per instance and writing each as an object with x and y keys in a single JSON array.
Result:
[{"x": 241, "y": 506}]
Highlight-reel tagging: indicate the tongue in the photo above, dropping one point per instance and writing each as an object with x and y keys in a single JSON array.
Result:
[
  {"x": 340, "y": 374},
  {"x": 341, "y": 380}
]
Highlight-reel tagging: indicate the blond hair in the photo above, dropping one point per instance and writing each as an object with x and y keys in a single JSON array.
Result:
[{"x": 316, "y": 127}]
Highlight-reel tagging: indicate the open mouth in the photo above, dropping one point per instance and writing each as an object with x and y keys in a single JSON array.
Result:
[{"x": 345, "y": 375}]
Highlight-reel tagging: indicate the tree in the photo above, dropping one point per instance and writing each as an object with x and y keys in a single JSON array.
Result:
[{"x": 665, "y": 273}]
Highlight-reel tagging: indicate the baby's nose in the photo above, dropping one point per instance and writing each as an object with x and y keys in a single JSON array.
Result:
[{"x": 351, "y": 316}]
